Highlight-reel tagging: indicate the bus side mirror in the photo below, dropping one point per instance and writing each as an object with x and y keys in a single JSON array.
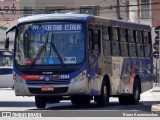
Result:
[{"x": 7, "y": 43}]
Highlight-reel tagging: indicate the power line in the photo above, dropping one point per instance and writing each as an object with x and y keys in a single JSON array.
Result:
[
  {"x": 5, "y": 18},
  {"x": 122, "y": 2},
  {"x": 77, "y": 8},
  {"x": 98, "y": 2},
  {"x": 50, "y": 10}
]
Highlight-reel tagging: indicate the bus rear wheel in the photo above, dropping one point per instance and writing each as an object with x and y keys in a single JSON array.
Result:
[
  {"x": 103, "y": 99},
  {"x": 135, "y": 97},
  {"x": 40, "y": 101},
  {"x": 80, "y": 99}
]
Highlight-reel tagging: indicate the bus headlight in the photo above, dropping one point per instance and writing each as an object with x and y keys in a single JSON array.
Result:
[
  {"x": 19, "y": 79},
  {"x": 81, "y": 76}
]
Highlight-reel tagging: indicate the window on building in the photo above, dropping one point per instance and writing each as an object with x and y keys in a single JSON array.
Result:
[
  {"x": 92, "y": 10},
  {"x": 55, "y": 9},
  {"x": 27, "y": 11},
  {"x": 145, "y": 9}
]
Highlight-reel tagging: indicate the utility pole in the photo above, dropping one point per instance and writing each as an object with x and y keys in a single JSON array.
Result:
[
  {"x": 127, "y": 9},
  {"x": 118, "y": 10}
]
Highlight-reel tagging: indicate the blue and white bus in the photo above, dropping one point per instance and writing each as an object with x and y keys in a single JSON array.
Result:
[
  {"x": 6, "y": 57},
  {"x": 83, "y": 57}
]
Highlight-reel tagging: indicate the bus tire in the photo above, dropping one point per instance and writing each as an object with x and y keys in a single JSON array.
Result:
[
  {"x": 103, "y": 99},
  {"x": 40, "y": 101},
  {"x": 135, "y": 97},
  {"x": 80, "y": 99}
]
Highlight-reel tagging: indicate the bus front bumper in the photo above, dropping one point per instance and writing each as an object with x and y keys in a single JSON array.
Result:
[{"x": 73, "y": 88}]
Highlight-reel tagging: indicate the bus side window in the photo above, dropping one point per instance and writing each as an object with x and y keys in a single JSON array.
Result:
[
  {"x": 115, "y": 49},
  {"x": 132, "y": 49},
  {"x": 132, "y": 44},
  {"x": 147, "y": 50},
  {"x": 106, "y": 41},
  {"x": 140, "y": 51},
  {"x": 114, "y": 34},
  {"x": 147, "y": 44},
  {"x": 146, "y": 37},
  {"x": 115, "y": 42},
  {"x": 138, "y": 37},
  {"x": 94, "y": 45},
  {"x": 130, "y": 36},
  {"x": 123, "y": 43}
]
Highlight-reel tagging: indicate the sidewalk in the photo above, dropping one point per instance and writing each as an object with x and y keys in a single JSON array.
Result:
[{"x": 156, "y": 88}]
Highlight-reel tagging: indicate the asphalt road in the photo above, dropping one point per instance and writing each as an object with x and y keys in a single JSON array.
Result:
[{"x": 10, "y": 102}]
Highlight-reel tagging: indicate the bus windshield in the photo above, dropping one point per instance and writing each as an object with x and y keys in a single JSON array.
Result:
[{"x": 47, "y": 43}]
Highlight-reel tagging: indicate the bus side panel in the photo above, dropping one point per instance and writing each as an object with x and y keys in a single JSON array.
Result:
[
  {"x": 136, "y": 67},
  {"x": 116, "y": 72},
  {"x": 133, "y": 67},
  {"x": 95, "y": 80},
  {"x": 112, "y": 66},
  {"x": 146, "y": 77},
  {"x": 126, "y": 76}
]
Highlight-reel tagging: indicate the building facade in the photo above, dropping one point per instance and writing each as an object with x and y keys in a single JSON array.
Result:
[
  {"x": 11, "y": 10},
  {"x": 141, "y": 11},
  {"x": 8, "y": 16},
  {"x": 105, "y": 8}
]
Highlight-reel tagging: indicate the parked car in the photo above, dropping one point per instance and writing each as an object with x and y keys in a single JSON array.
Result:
[{"x": 6, "y": 77}]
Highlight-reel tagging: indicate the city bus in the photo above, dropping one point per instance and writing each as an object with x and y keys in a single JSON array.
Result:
[
  {"x": 6, "y": 57},
  {"x": 82, "y": 58}
]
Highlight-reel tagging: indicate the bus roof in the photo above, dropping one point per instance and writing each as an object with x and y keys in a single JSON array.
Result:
[
  {"x": 53, "y": 17},
  {"x": 129, "y": 25},
  {"x": 64, "y": 16}
]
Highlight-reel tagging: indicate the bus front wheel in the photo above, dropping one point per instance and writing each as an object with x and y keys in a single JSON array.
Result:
[
  {"x": 40, "y": 101},
  {"x": 103, "y": 99}
]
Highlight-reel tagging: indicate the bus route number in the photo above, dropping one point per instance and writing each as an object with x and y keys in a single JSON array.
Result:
[{"x": 64, "y": 77}]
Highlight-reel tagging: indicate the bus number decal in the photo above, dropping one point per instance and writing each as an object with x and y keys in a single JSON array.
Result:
[
  {"x": 64, "y": 76},
  {"x": 69, "y": 60}
]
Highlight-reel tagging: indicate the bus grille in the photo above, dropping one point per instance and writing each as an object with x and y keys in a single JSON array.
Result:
[{"x": 66, "y": 82}]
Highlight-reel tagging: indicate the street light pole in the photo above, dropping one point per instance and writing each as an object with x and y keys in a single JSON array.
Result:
[{"x": 159, "y": 55}]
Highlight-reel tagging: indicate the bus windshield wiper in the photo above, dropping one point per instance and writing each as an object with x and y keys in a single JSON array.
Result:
[
  {"x": 56, "y": 51},
  {"x": 39, "y": 52}
]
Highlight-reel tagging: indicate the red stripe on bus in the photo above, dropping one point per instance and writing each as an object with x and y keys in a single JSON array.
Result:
[{"x": 31, "y": 77}]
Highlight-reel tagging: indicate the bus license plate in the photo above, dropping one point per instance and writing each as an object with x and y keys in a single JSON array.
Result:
[{"x": 47, "y": 88}]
